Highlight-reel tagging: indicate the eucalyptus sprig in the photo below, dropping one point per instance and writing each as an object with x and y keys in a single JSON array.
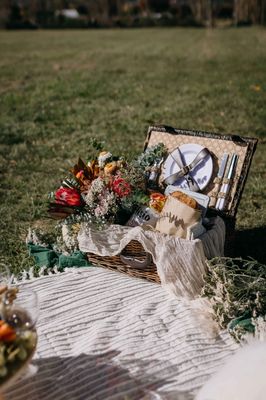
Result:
[
  {"x": 95, "y": 146},
  {"x": 150, "y": 156}
]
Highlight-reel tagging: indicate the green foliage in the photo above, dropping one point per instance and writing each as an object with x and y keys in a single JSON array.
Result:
[
  {"x": 96, "y": 147},
  {"x": 236, "y": 288},
  {"x": 150, "y": 156},
  {"x": 130, "y": 203}
]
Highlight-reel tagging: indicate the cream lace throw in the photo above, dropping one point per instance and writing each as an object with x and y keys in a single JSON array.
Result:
[{"x": 180, "y": 263}]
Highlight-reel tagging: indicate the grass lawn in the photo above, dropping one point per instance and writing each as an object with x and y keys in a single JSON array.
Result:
[{"x": 59, "y": 88}]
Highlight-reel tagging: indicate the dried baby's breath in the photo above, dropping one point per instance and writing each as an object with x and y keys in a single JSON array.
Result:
[{"x": 236, "y": 288}]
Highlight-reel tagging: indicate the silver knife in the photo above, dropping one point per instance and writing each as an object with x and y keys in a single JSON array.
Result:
[
  {"x": 218, "y": 180},
  {"x": 227, "y": 186}
]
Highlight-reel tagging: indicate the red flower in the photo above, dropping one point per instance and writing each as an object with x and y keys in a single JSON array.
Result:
[
  {"x": 121, "y": 187},
  {"x": 68, "y": 196}
]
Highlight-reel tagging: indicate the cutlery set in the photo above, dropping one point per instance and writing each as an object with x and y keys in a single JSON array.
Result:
[{"x": 226, "y": 181}]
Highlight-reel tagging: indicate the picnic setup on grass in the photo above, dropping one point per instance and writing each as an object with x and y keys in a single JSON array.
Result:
[{"x": 168, "y": 216}]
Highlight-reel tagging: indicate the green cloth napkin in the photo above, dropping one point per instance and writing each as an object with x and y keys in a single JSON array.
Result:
[
  {"x": 46, "y": 256},
  {"x": 244, "y": 322}
]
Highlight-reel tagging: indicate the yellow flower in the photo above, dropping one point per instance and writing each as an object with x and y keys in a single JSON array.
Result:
[{"x": 110, "y": 168}]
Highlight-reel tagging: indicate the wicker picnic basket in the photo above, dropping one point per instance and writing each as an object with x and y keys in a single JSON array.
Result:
[{"x": 217, "y": 145}]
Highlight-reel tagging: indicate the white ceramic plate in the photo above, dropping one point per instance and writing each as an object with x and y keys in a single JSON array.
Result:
[{"x": 202, "y": 173}]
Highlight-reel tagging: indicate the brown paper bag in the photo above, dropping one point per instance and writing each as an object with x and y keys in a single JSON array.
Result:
[{"x": 176, "y": 217}]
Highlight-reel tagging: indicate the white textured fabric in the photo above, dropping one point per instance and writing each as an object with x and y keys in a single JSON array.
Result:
[
  {"x": 241, "y": 378},
  {"x": 106, "y": 336},
  {"x": 180, "y": 263}
]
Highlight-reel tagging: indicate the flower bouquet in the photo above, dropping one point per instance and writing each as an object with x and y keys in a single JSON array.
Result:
[
  {"x": 106, "y": 189},
  {"x": 18, "y": 336}
]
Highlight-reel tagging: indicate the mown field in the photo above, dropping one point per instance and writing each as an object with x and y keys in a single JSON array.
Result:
[{"x": 60, "y": 88}]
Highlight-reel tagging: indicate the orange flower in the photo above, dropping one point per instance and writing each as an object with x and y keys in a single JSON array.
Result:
[
  {"x": 110, "y": 168},
  {"x": 80, "y": 174},
  {"x": 85, "y": 174},
  {"x": 7, "y": 333},
  {"x": 157, "y": 201}
]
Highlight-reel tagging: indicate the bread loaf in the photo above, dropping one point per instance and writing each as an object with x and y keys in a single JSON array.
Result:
[{"x": 184, "y": 198}]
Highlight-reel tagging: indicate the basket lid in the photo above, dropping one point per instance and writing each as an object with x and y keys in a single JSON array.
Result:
[{"x": 217, "y": 145}]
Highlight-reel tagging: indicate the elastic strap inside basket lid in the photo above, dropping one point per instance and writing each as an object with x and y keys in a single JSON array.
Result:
[{"x": 218, "y": 145}]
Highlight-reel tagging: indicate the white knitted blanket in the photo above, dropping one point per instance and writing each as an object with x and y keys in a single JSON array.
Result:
[{"x": 104, "y": 335}]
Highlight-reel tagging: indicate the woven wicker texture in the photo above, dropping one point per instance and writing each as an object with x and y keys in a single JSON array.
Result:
[
  {"x": 179, "y": 264},
  {"x": 135, "y": 250}
]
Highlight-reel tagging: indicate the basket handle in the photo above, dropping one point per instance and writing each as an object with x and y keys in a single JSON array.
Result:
[{"x": 135, "y": 263}]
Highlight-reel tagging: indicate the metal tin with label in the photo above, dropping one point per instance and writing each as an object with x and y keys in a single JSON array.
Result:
[{"x": 143, "y": 216}]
